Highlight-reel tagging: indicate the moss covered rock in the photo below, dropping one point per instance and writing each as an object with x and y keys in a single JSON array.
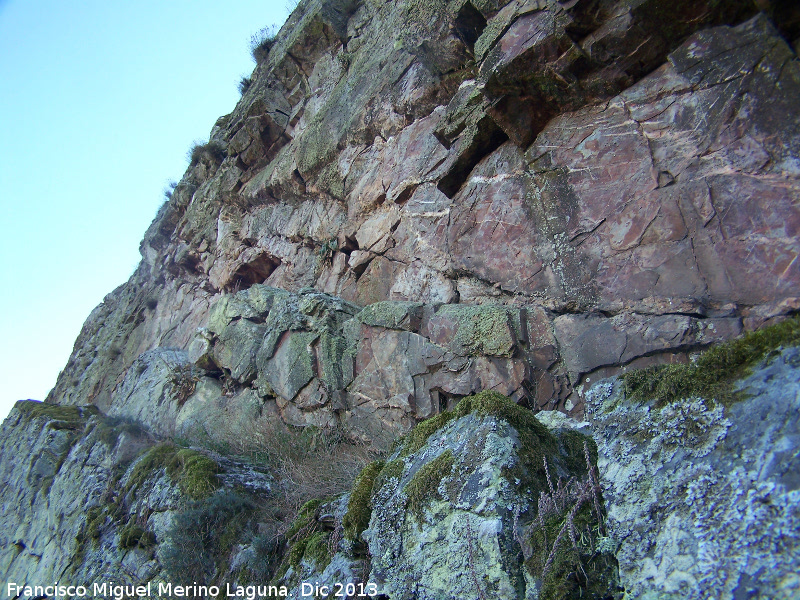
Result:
[{"x": 454, "y": 510}]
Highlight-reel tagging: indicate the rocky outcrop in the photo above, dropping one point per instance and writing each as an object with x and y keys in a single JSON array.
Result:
[
  {"x": 664, "y": 498},
  {"x": 630, "y": 187},
  {"x": 90, "y": 499},
  {"x": 700, "y": 500},
  {"x": 450, "y": 514},
  {"x": 434, "y": 219},
  {"x": 703, "y": 499}
]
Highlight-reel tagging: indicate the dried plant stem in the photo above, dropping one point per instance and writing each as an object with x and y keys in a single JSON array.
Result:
[{"x": 472, "y": 571}]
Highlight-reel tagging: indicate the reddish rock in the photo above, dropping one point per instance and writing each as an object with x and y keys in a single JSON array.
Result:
[{"x": 558, "y": 190}]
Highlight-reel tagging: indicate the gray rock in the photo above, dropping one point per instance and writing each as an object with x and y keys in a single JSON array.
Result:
[{"x": 702, "y": 499}]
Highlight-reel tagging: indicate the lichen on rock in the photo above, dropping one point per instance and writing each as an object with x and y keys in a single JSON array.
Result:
[{"x": 699, "y": 497}]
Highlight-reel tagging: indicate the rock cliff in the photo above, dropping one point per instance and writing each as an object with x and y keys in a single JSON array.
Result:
[{"x": 413, "y": 205}]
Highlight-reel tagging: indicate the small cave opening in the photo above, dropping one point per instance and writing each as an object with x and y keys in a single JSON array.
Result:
[
  {"x": 488, "y": 138},
  {"x": 253, "y": 272},
  {"x": 469, "y": 24}
]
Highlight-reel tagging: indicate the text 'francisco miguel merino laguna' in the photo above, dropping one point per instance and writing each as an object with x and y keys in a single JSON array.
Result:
[{"x": 120, "y": 592}]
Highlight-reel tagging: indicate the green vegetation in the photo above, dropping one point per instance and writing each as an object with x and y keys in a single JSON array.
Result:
[
  {"x": 328, "y": 249},
  {"x": 195, "y": 473},
  {"x": 297, "y": 551},
  {"x": 90, "y": 532},
  {"x": 314, "y": 547},
  {"x": 133, "y": 536},
  {"x": 202, "y": 535},
  {"x": 210, "y": 152},
  {"x": 61, "y": 416},
  {"x": 305, "y": 519},
  {"x": 262, "y": 42},
  {"x": 416, "y": 438},
  {"x": 244, "y": 85},
  {"x": 108, "y": 429},
  {"x": 423, "y": 487},
  {"x": 317, "y": 549},
  {"x": 359, "y": 507},
  {"x": 391, "y": 470},
  {"x": 712, "y": 375},
  {"x": 574, "y": 570},
  {"x": 308, "y": 538},
  {"x": 482, "y": 329},
  {"x": 536, "y": 441}
]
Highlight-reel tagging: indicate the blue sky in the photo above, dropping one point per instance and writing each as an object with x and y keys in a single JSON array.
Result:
[{"x": 99, "y": 103}]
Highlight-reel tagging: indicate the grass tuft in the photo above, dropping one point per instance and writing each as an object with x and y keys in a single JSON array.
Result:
[
  {"x": 262, "y": 42},
  {"x": 210, "y": 152}
]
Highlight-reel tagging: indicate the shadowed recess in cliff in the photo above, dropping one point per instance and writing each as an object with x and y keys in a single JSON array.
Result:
[
  {"x": 255, "y": 271},
  {"x": 489, "y": 137}
]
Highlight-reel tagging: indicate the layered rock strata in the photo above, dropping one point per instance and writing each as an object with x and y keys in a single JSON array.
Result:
[
  {"x": 625, "y": 192},
  {"x": 463, "y": 211}
]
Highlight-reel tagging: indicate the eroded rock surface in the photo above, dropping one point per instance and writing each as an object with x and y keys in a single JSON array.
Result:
[
  {"x": 453, "y": 513},
  {"x": 422, "y": 200},
  {"x": 92, "y": 499},
  {"x": 630, "y": 186}
]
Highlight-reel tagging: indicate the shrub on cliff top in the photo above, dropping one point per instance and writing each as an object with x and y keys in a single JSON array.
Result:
[
  {"x": 212, "y": 151},
  {"x": 244, "y": 85},
  {"x": 262, "y": 41}
]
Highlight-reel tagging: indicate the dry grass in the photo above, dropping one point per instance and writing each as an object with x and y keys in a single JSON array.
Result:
[
  {"x": 307, "y": 463},
  {"x": 561, "y": 545}
]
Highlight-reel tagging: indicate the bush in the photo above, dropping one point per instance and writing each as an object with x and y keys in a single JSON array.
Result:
[
  {"x": 169, "y": 189},
  {"x": 211, "y": 152},
  {"x": 262, "y": 42},
  {"x": 244, "y": 85},
  {"x": 202, "y": 535}
]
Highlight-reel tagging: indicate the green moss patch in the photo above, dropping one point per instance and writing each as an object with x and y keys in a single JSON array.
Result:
[
  {"x": 202, "y": 535},
  {"x": 308, "y": 538},
  {"x": 391, "y": 470},
  {"x": 359, "y": 507},
  {"x": 536, "y": 441},
  {"x": 195, "y": 473},
  {"x": 424, "y": 486},
  {"x": 305, "y": 518},
  {"x": 482, "y": 330},
  {"x": 317, "y": 549},
  {"x": 60, "y": 417},
  {"x": 712, "y": 375},
  {"x": 417, "y": 437}
]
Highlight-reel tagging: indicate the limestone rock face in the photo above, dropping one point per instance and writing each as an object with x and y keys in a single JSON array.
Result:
[{"x": 703, "y": 500}]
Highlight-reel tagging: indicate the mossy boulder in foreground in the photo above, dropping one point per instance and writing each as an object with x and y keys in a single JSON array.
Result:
[{"x": 454, "y": 511}]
